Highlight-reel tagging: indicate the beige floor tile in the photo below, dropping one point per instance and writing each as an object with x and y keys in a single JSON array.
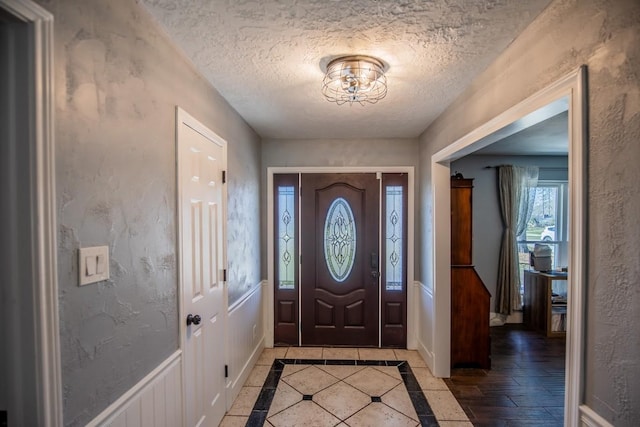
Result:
[
  {"x": 270, "y": 354},
  {"x": 411, "y": 356},
  {"x": 285, "y": 397},
  {"x": 233, "y": 421},
  {"x": 398, "y": 398},
  {"x": 257, "y": 376},
  {"x": 310, "y": 380},
  {"x": 427, "y": 381},
  {"x": 392, "y": 371},
  {"x": 245, "y": 401},
  {"x": 304, "y": 353},
  {"x": 379, "y": 414},
  {"x": 341, "y": 371},
  {"x": 340, "y": 353},
  {"x": 305, "y": 413},
  {"x": 445, "y": 406},
  {"x": 376, "y": 354},
  {"x": 372, "y": 382},
  {"x": 342, "y": 400},
  {"x": 455, "y": 423},
  {"x": 292, "y": 369}
]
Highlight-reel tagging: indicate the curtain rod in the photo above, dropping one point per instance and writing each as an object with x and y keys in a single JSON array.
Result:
[{"x": 539, "y": 167}]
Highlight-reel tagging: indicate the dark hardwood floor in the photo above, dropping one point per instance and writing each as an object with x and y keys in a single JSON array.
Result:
[{"x": 525, "y": 385}]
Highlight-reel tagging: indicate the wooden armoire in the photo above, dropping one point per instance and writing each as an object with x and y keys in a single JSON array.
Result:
[{"x": 470, "y": 340}]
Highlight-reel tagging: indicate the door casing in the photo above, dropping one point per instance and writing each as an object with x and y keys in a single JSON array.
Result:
[
  {"x": 574, "y": 87},
  {"x": 40, "y": 167},
  {"x": 268, "y": 311}
]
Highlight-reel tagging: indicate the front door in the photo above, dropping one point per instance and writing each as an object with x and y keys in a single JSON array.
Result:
[
  {"x": 339, "y": 259},
  {"x": 201, "y": 160}
]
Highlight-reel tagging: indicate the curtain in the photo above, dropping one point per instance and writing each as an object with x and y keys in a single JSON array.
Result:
[{"x": 517, "y": 186}]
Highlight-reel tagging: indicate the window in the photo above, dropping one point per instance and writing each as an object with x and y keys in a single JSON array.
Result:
[
  {"x": 286, "y": 231},
  {"x": 340, "y": 239},
  {"x": 394, "y": 233},
  {"x": 548, "y": 225}
]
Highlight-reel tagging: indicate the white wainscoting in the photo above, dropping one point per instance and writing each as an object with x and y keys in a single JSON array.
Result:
[
  {"x": 590, "y": 418},
  {"x": 155, "y": 401},
  {"x": 425, "y": 322},
  {"x": 246, "y": 339}
]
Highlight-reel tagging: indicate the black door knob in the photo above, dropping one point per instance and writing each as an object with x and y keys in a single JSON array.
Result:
[{"x": 193, "y": 319}]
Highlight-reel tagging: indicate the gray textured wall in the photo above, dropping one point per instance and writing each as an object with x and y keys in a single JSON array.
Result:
[
  {"x": 333, "y": 153},
  {"x": 487, "y": 220},
  {"x": 117, "y": 82},
  {"x": 604, "y": 35}
]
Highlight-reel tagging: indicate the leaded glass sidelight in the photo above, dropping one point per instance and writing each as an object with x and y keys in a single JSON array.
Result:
[
  {"x": 340, "y": 239},
  {"x": 394, "y": 238},
  {"x": 286, "y": 242}
]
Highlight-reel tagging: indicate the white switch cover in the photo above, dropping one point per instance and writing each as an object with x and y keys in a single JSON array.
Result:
[{"x": 93, "y": 264}]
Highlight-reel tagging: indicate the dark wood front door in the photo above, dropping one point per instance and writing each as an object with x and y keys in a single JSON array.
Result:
[{"x": 340, "y": 238}]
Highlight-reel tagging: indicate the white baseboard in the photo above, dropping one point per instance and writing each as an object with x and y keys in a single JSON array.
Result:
[
  {"x": 589, "y": 418},
  {"x": 154, "y": 400},
  {"x": 426, "y": 355},
  {"x": 246, "y": 339},
  {"x": 236, "y": 383}
]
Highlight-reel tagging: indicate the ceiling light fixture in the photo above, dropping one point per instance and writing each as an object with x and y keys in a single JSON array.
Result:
[{"x": 355, "y": 78}]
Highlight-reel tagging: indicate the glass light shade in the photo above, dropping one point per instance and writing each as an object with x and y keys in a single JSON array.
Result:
[{"x": 355, "y": 79}]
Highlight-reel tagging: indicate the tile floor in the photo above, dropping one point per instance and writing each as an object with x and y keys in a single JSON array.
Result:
[{"x": 343, "y": 387}]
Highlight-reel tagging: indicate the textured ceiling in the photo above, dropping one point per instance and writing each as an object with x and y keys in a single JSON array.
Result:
[{"x": 266, "y": 56}]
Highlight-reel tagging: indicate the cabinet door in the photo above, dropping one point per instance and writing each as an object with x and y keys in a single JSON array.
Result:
[{"x": 461, "y": 222}]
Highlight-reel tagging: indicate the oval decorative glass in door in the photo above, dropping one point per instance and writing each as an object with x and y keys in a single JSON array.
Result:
[{"x": 340, "y": 239}]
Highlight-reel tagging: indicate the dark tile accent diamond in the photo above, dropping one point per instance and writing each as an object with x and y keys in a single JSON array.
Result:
[
  {"x": 307, "y": 397},
  {"x": 376, "y": 399}
]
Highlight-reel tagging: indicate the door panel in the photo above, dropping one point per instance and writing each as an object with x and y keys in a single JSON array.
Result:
[
  {"x": 201, "y": 162},
  {"x": 340, "y": 278}
]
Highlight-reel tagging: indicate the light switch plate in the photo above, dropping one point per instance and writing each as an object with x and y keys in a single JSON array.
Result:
[{"x": 93, "y": 265}]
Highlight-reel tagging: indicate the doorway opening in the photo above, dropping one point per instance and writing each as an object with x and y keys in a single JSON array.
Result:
[
  {"x": 572, "y": 88},
  {"x": 30, "y": 361}
]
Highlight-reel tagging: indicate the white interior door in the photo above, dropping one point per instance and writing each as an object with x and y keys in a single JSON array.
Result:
[{"x": 201, "y": 162}]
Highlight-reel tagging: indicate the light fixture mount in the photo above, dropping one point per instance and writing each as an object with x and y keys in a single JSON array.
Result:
[{"x": 354, "y": 78}]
